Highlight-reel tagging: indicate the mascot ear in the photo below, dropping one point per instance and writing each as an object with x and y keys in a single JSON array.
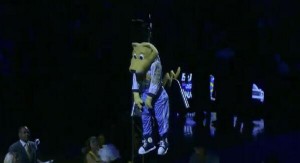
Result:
[
  {"x": 150, "y": 46},
  {"x": 134, "y": 44}
]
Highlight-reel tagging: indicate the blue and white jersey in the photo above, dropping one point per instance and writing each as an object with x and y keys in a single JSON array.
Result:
[{"x": 151, "y": 82}]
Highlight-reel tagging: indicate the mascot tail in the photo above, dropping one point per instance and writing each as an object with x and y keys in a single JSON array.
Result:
[
  {"x": 167, "y": 81},
  {"x": 169, "y": 77}
]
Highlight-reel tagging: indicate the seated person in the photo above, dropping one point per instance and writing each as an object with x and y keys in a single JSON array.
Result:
[
  {"x": 91, "y": 150},
  {"x": 10, "y": 158},
  {"x": 108, "y": 152},
  {"x": 202, "y": 154}
]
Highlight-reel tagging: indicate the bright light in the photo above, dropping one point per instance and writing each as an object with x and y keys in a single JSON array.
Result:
[
  {"x": 186, "y": 84},
  {"x": 211, "y": 87},
  {"x": 189, "y": 124},
  {"x": 257, "y": 93}
]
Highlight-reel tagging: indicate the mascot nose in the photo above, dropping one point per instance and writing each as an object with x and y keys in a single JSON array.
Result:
[{"x": 132, "y": 71}]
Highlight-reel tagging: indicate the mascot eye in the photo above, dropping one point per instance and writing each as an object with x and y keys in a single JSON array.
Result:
[
  {"x": 134, "y": 56},
  {"x": 141, "y": 56}
]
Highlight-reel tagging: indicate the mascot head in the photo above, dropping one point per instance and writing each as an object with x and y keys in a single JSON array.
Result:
[{"x": 143, "y": 55}]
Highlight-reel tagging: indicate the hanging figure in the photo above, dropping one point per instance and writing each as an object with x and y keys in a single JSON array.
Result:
[{"x": 149, "y": 95}]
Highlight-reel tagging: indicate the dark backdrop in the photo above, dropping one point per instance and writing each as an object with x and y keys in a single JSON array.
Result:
[{"x": 64, "y": 65}]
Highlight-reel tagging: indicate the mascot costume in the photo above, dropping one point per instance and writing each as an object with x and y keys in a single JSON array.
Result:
[{"x": 149, "y": 94}]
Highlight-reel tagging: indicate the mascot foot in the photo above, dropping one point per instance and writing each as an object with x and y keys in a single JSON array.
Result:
[
  {"x": 147, "y": 146},
  {"x": 163, "y": 147}
]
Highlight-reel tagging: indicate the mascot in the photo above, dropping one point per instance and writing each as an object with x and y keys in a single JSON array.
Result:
[{"x": 149, "y": 94}]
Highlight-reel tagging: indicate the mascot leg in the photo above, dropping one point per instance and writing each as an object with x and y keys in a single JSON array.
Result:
[
  {"x": 161, "y": 109},
  {"x": 148, "y": 144}
]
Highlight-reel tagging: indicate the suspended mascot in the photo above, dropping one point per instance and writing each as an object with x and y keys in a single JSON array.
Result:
[{"x": 149, "y": 94}]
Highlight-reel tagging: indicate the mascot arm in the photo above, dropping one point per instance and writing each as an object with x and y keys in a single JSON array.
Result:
[
  {"x": 155, "y": 83},
  {"x": 135, "y": 89}
]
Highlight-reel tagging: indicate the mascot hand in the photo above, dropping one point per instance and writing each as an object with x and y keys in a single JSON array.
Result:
[
  {"x": 137, "y": 100},
  {"x": 169, "y": 77},
  {"x": 175, "y": 75},
  {"x": 149, "y": 102}
]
